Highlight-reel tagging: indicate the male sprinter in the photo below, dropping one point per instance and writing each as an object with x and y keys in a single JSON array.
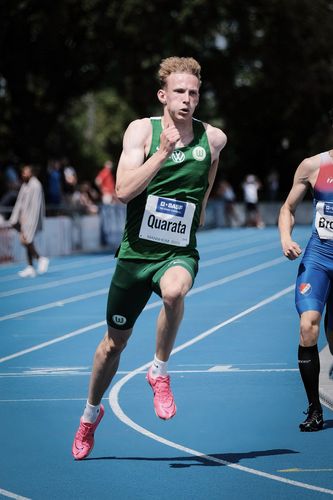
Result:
[
  {"x": 315, "y": 272},
  {"x": 165, "y": 174}
]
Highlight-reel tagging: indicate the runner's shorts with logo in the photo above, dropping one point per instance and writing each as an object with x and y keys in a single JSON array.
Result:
[
  {"x": 315, "y": 275},
  {"x": 133, "y": 283}
]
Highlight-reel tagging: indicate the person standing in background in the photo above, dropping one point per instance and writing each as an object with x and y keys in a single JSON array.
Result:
[
  {"x": 27, "y": 218},
  {"x": 251, "y": 186},
  {"x": 105, "y": 183}
]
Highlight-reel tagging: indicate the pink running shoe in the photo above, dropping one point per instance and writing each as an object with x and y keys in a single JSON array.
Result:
[
  {"x": 164, "y": 403},
  {"x": 84, "y": 438}
]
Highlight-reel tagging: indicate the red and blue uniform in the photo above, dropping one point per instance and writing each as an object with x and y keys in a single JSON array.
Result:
[{"x": 315, "y": 273}]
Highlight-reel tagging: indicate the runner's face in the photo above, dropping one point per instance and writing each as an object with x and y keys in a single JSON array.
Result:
[{"x": 180, "y": 95}]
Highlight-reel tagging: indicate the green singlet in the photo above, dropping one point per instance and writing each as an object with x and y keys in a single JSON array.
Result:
[
  {"x": 184, "y": 177},
  {"x": 161, "y": 227}
]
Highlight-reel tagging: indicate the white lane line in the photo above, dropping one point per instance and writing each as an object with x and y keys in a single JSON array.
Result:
[
  {"x": 115, "y": 406},
  {"x": 53, "y": 284},
  {"x": 194, "y": 290},
  {"x": 76, "y": 298},
  {"x": 222, "y": 245},
  {"x": 9, "y": 494},
  {"x": 150, "y": 306},
  {"x": 100, "y": 292},
  {"x": 86, "y": 263},
  {"x": 296, "y": 469},
  {"x": 63, "y": 267},
  {"x": 97, "y": 274},
  {"x": 241, "y": 274},
  {"x": 45, "y": 400},
  {"x": 74, "y": 373},
  {"x": 241, "y": 253},
  {"x": 70, "y": 335},
  {"x": 57, "y": 303}
]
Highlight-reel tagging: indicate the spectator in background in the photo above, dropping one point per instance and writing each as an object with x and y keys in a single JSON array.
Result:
[
  {"x": 221, "y": 202},
  {"x": 54, "y": 183},
  {"x": 86, "y": 198},
  {"x": 273, "y": 185},
  {"x": 251, "y": 186},
  {"x": 106, "y": 183},
  {"x": 227, "y": 193},
  {"x": 27, "y": 218},
  {"x": 12, "y": 185},
  {"x": 69, "y": 184}
]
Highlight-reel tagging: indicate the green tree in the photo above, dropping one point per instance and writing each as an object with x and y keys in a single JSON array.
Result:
[{"x": 267, "y": 72}]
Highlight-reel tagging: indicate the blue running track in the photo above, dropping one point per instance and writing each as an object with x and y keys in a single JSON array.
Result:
[{"x": 234, "y": 376}]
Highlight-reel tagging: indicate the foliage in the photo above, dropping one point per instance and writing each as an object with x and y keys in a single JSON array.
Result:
[{"x": 267, "y": 71}]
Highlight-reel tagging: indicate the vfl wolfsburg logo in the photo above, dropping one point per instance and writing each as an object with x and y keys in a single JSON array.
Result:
[
  {"x": 199, "y": 153},
  {"x": 118, "y": 319},
  {"x": 178, "y": 156}
]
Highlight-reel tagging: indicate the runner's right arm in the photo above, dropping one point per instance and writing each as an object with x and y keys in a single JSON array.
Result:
[
  {"x": 302, "y": 181},
  {"x": 134, "y": 173}
]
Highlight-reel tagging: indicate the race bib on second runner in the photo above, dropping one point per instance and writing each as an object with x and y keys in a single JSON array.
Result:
[
  {"x": 167, "y": 221},
  {"x": 324, "y": 220}
]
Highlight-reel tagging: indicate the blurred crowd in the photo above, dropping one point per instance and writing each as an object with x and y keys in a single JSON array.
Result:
[
  {"x": 63, "y": 189},
  {"x": 66, "y": 192},
  {"x": 251, "y": 190}
]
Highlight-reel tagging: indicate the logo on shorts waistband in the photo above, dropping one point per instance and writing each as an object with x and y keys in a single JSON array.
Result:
[{"x": 305, "y": 288}]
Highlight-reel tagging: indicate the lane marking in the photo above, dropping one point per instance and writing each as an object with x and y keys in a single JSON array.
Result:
[
  {"x": 80, "y": 331},
  {"x": 57, "y": 303},
  {"x": 296, "y": 469},
  {"x": 62, "y": 267},
  {"x": 208, "y": 249},
  {"x": 54, "y": 284},
  {"x": 9, "y": 494},
  {"x": 70, "y": 372},
  {"x": 241, "y": 253},
  {"x": 194, "y": 291},
  {"x": 227, "y": 279},
  {"x": 116, "y": 408}
]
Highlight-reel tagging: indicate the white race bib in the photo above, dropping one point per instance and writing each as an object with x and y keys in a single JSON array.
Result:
[
  {"x": 167, "y": 221},
  {"x": 324, "y": 220}
]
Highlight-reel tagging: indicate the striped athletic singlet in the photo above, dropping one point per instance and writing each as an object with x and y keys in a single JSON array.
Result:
[
  {"x": 323, "y": 198},
  {"x": 315, "y": 272}
]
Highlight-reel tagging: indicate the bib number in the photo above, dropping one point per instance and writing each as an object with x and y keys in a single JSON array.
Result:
[{"x": 167, "y": 221}]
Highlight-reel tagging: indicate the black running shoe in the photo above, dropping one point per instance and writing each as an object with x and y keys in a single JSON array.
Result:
[{"x": 314, "y": 420}]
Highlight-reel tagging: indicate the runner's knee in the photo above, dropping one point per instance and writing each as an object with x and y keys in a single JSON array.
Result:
[
  {"x": 115, "y": 341},
  {"x": 309, "y": 331},
  {"x": 173, "y": 294}
]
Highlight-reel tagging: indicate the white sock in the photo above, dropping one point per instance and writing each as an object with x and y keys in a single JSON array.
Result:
[
  {"x": 90, "y": 413},
  {"x": 159, "y": 368}
]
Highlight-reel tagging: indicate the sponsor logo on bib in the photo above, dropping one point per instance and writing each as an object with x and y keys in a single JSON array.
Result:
[
  {"x": 171, "y": 207},
  {"x": 328, "y": 209},
  {"x": 199, "y": 153}
]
